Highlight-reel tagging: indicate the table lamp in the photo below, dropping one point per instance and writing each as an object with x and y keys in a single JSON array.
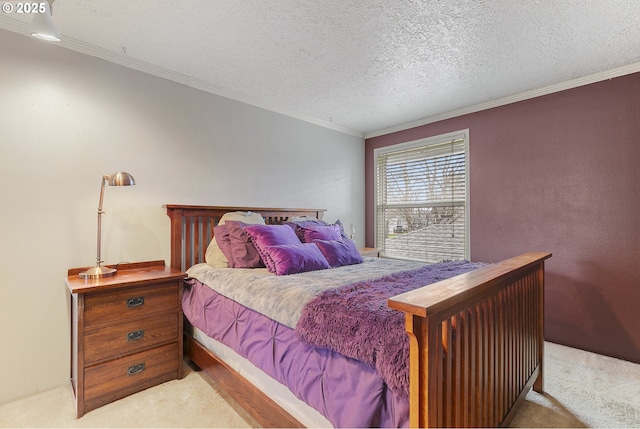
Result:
[{"x": 117, "y": 179}]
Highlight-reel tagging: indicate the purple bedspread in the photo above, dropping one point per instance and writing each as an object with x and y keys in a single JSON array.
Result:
[
  {"x": 347, "y": 392},
  {"x": 354, "y": 382},
  {"x": 355, "y": 321}
]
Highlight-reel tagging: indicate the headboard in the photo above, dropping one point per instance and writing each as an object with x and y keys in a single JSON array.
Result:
[{"x": 192, "y": 227}]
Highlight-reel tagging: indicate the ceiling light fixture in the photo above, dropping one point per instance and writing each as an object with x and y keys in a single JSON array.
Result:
[{"x": 42, "y": 25}]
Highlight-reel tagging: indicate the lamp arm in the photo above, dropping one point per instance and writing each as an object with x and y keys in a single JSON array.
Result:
[
  {"x": 117, "y": 179},
  {"x": 100, "y": 212}
]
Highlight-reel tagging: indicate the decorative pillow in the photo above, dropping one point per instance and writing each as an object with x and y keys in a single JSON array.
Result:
[
  {"x": 320, "y": 232},
  {"x": 271, "y": 235},
  {"x": 214, "y": 255},
  {"x": 342, "y": 233},
  {"x": 296, "y": 258},
  {"x": 221, "y": 236},
  {"x": 298, "y": 222},
  {"x": 303, "y": 221},
  {"x": 339, "y": 252},
  {"x": 244, "y": 252}
]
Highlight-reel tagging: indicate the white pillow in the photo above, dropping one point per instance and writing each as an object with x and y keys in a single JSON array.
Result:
[{"x": 214, "y": 255}]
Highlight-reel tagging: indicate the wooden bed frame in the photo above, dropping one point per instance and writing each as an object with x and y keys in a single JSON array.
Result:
[{"x": 476, "y": 340}]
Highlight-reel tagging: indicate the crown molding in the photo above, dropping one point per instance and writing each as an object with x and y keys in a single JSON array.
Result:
[
  {"x": 132, "y": 63},
  {"x": 122, "y": 59},
  {"x": 573, "y": 83}
]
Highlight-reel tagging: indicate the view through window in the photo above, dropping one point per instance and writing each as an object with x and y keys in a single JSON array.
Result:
[{"x": 421, "y": 199}]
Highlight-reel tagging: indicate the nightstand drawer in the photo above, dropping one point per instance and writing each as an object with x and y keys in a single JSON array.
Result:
[
  {"x": 135, "y": 301},
  {"x": 126, "y": 332},
  {"x": 121, "y": 338},
  {"x": 121, "y": 377}
]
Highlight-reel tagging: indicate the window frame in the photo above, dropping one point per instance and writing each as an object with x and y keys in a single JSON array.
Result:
[{"x": 424, "y": 142}]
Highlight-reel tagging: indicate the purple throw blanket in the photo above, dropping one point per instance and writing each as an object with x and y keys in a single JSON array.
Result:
[{"x": 355, "y": 320}]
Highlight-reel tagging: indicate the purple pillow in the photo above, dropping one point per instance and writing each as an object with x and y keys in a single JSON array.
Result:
[
  {"x": 221, "y": 234},
  {"x": 244, "y": 252},
  {"x": 296, "y": 258},
  {"x": 299, "y": 224},
  {"x": 320, "y": 232},
  {"x": 342, "y": 233},
  {"x": 270, "y": 235},
  {"x": 339, "y": 252},
  {"x": 305, "y": 222}
]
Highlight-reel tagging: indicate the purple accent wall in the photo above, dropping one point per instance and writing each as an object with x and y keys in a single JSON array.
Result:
[{"x": 558, "y": 173}]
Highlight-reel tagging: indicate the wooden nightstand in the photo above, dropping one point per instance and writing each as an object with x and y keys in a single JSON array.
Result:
[
  {"x": 369, "y": 251},
  {"x": 126, "y": 332}
]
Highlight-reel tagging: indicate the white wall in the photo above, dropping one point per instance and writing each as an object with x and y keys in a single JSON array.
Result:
[{"x": 66, "y": 119}]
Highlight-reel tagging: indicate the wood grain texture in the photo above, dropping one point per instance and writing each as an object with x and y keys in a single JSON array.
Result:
[
  {"x": 126, "y": 332},
  {"x": 501, "y": 304},
  {"x": 476, "y": 340},
  {"x": 192, "y": 227},
  {"x": 126, "y": 337},
  {"x": 107, "y": 306},
  {"x": 119, "y": 377}
]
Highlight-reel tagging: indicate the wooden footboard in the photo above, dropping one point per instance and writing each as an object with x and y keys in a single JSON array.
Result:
[
  {"x": 476, "y": 340},
  {"x": 476, "y": 344}
]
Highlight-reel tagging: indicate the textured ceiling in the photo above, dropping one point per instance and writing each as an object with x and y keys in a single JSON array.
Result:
[{"x": 358, "y": 66}]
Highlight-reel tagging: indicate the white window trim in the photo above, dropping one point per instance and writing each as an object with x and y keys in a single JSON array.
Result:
[{"x": 442, "y": 138}]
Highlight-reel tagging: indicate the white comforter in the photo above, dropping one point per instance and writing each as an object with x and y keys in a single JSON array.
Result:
[{"x": 282, "y": 297}]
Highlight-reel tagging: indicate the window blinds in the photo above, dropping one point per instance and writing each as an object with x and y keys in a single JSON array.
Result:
[{"x": 421, "y": 200}]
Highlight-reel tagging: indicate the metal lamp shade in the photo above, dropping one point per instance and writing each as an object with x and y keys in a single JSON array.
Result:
[{"x": 120, "y": 178}]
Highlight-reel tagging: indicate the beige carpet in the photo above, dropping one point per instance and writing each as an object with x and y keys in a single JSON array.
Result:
[
  {"x": 582, "y": 390},
  {"x": 193, "y": 402}
]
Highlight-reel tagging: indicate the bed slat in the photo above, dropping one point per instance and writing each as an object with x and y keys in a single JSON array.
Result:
[
  {"x": 503, "y": 306},
  {"x": 192, "y": 228},
  {"x": 476, "y": 340}
]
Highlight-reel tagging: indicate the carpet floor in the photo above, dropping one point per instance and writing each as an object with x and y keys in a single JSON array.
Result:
[{"x": 582, "y": 389}]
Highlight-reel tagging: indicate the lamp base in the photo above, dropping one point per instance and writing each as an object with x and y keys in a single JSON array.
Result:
[{"x": 97, "y": 272}]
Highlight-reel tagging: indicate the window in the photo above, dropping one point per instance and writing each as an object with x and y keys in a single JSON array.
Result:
[{"x": 421, "y": 199}]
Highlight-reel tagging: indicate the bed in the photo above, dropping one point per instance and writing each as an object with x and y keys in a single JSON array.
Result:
[{"x": 475, "y": 343}]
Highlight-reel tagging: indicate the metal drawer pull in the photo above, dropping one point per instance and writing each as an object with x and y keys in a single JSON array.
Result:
[
  {"x": 135, "y": 335},
  {"x": 135, "y": 369},
  {"x": 135, "y": 302}
]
